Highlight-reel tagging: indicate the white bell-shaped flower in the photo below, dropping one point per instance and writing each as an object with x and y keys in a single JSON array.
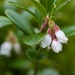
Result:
[
  {"x": 6, "y": 48},
  {"x": 56, "y": 46},
  {"x": 46, "y": 41},
  {"x": 61, "y": 36},
  {"x": 17, "y": 48}
]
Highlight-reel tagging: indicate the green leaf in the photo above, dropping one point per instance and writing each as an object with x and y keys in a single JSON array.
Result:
[
  {"x": 63, "y": 4},
  {"x": 20, "y": 64},
  {"x": 69, "y": 31},
  {"x": 36, "y": 55},
  {"x": 17, "y": 5},
  {"x": 19, "y": 21},
  {"x": 52, "y": 10},
  {"x": 34, "y": 39},
  {"x": 47, "y": 4},
  {"x": 8, "y": 73},
  {"x": 4, "y": 21},
  {"x": 39, "y": 7}
]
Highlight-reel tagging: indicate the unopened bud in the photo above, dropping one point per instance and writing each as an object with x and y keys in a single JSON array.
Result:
[
  {"x": 56, "y": 28},
  {"x": 51, "y": 24},
  {"x": 49, "y": 31},
  {"x": 45, "y": 24}
]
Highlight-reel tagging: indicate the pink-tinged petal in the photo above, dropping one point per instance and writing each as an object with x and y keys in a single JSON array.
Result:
[
  {"x": 46, "y": 41},
  {"x": 61, "y": 36},
  {"x": 56, "y": 46}
]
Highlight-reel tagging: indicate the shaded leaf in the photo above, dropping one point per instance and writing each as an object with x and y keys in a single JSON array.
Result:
[
  {"x": 63, "y": 4},
  {"x": 36, "y": 55},
  {"x": 17, "y": 5},
  {"x": 47, "y": 4},
  {"x": 20, "y": 64},
  {"x": 19, "y": 21},
  {"x": 34, "y": 39},
  {"x": 8, "y": 73},
  {"x": 69, "y": 31},
  {"x": 39, "y": 7},
  {"x": 4, "y": 21}
]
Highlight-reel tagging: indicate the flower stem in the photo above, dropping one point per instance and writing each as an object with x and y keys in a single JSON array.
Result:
[
  {"x": 37, "y": 64},
  {"x": 36, "y": 67}
]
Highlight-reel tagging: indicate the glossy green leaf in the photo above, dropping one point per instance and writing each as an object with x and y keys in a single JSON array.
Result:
[
  {"x": 36, "y": 55},
  {"x": 34, "y": 39},
  {"x": 40, "y": 7},
  {"x": 4, "y": 21},
  {"x": 63, "y": 4},
  {"x": 17, "y": 5},
  {"x": 69, "y": 31},
  {"x": 47, "y": 4},
  {"x": 19, "y": 21}
]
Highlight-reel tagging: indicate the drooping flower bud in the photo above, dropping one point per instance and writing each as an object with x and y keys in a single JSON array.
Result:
[
  {"x": 45, "y": 24},
  {"x": 49, "y": 31},
  {"x": 60, "y": 35},
  {"x": 56, "y": 46},
  {"x": 56, "y": 28},
  {"x": 46, "y": 41},
  {"x": 51, "y": 23},
  {"x": 6, "y": 48}
]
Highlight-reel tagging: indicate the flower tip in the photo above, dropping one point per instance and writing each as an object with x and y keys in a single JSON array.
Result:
[
  {"x": 65, "y": 40},
  {"x": 57, "y": 51}
]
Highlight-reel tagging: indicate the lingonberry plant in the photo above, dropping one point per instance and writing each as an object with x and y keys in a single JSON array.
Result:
[{"x": 50, "y": 35}]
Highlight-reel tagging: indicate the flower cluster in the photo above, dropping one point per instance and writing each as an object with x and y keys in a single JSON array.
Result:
[
  {"x": 54, "y": 37},
  {"x": 11, "y": 43}
]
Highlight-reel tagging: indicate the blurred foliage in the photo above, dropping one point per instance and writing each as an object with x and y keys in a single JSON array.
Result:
[{"x": 62, "y": 63}]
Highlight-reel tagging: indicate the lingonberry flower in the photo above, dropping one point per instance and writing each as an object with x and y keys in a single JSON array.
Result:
[
  {"x": 46, "y": 41},
  {"x": 6, "y": 49},
  {"x": 60, "y": 35},
  {"x": 56, "y": 46},
  {"x": 10, "y": 44}
]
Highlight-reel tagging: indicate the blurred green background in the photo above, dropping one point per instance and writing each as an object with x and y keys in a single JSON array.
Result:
[{"x": 62, "y": 63}]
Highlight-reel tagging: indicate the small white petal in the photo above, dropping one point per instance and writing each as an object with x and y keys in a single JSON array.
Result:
[
  {"x": 17, "y": 48},
  {"x": 61, "y": 36},
  {"x": 6, "y": 48},
  {"x": 56, "y": 46},
  {"x": 46, "y": 41}
]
